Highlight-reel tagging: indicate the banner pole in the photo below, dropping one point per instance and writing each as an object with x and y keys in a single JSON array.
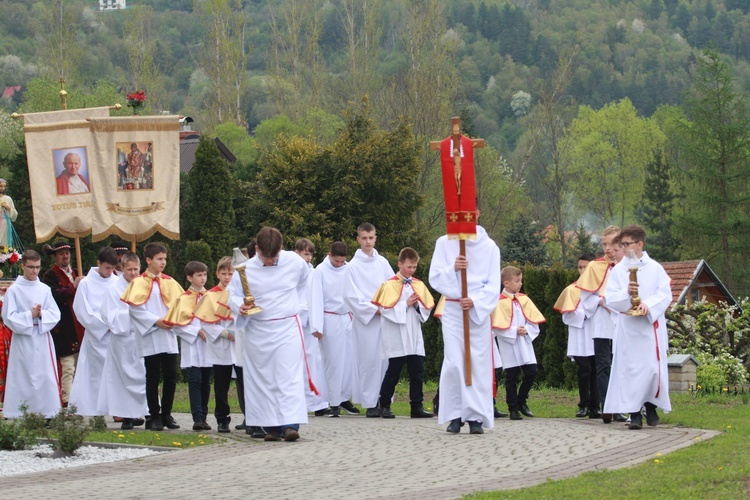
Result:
[
  {"x": 78, "y": 256},
  {"x": 132, "y": 244}
]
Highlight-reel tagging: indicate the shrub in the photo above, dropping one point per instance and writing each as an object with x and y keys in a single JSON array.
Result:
[
  {"x": 70, "y": 430},
  {"x": 13, "y": 436}
]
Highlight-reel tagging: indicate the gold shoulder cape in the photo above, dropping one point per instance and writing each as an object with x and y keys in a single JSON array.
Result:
[
  {"x": 212, "y": 307},
  {"x": 390, "y": 291},
  {"x": 503, "y": 314},
  {"x": 181, "y": 312},
  {"x": 440, "y": 307},
  {"x": 595, "y": 276},
  {"x": 139, "y": 290},
  {"x": 568, "y": 299}
]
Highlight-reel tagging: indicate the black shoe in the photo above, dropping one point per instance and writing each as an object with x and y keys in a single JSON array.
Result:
[
  {"x": 420, "y": 412},
  {"x": 335, "y": 412},
  {"x": 594, "y": 413},
  {"x": 525, "y": 410},
  {"x": 373, "y": 412},
  {"x": 170, "y": 422},
  {"x": 500, "y": 414},
  {"x": 223, "y": 427},
  {"x": 515, "y": 415},
  {"x": 636, "y": 421},
  {"x": 256, "y": 432},
  {"x": 241, "y": 427},
  {"x": 127, "y": 424},
  {"x": 323, "y": 412},
  {"x": 207, "y": 427},
  {"x": 475, "y": 427},
  {"x": 619, "y": 417},
  {"x": 607, "y": 418},
  {"x": 198, "y": 426},
  {"x": 386, "y": 412},
  {"x": 156, "y": 424},
  {"x": 582, "y": 412},
  {"x": 455, "y": 426},
  {"x": 349, "y": 408},
  {"x": 652, "y": 418}
]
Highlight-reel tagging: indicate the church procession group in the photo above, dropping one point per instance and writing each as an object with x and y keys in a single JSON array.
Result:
[{"x": 318, "y": 340}]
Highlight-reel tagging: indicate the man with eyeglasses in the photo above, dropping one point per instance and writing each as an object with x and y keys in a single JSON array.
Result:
[
  {"x": 592, "y": 284},
  {"x": 639, "y": 367}
]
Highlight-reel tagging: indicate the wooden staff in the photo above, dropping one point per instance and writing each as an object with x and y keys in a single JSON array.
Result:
[{"x": 78, "y": 256}]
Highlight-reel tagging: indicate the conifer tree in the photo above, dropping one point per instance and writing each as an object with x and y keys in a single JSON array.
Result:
[
  {"x": 524, "y": 242},
  {"x": 656, "y": 210}
]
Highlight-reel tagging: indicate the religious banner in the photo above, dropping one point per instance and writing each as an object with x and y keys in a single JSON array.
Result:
[
  {"x": 136, "y": 191},
  {"x": 59, "y": 155}
]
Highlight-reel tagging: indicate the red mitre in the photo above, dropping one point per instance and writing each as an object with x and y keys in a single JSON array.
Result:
[{"x": 460, "y": 213}]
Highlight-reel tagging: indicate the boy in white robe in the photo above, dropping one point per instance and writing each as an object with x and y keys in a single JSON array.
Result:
[
  {"x": 331, "y": 324},
  {"x": 592, "y": 283},
  {"x": 639, "y": 366},
  {"x": 88, "y": 299},
  {"x": 150, "y": 296},
  {"x": 193, "y": 343},
  {"x": 580, "y": 344},
  {"x": 217, "y": 323},
  {"x": 458, "y": 402},
  {"x": 272, "y": 338},
  {"x": 30, "y": 312},
  {"x": 122, "y": 391},
  {"x": 515, "y": 323},
  {"x": 317, "y": 403},
  {"x": 405, "y": 303},
  {"x": 365, "y": 272}
]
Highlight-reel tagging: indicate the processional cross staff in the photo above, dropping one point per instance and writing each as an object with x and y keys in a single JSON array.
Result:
[{"x": 459, "y": 191}]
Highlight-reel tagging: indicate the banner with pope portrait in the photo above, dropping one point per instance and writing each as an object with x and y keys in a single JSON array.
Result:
[{"x": 59, "y": 148}]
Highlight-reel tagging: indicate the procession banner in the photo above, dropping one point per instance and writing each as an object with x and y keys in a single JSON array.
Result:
[
  {"x": 59, "y": 155},
  {"x": 137, "y": 190}
]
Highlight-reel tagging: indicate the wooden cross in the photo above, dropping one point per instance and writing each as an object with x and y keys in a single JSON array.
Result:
[{"x": 453, "y": 217}]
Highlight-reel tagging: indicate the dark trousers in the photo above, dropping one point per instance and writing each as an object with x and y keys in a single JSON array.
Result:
[
  {"x": 199, "y": 391},
  {"x": 160, "y": 366},
  {"x": 240, "y": 388},
  {"x": 415, "y": 367},
  {"x": 587, "y": 387},
  {"x": 514, "y": 396},
  {"x": 603, "y": 361},
  {"x": 222, "y": 379}
]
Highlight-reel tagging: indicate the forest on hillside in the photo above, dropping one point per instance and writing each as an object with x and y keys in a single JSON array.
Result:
[{"x": 594, "y": 112}]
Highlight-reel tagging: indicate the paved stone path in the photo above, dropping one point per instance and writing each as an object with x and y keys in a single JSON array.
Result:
[{"x": 366, "y": 458}]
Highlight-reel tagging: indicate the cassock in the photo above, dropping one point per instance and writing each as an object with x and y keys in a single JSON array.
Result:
[
  {"x": 32, "y": 364},
  {"x": 639, "y": 364},
  {"x": 150, "y": 298},
  {"x": 512, "y": 311},
  {"x": 364, "y": 274},
  {"x": 272, "y": 341},
  {"x": 122, "y": 391},
  {"x": 330, "y": 316},
  {"x": 89, "y": 296},
  {"x": 401, "y": 325},
  {"x": 312, "y": 348},
  {"x": 457, "y": 400}
]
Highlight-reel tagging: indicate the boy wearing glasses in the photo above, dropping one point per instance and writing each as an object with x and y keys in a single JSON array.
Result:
[
  {"x": 31, "y": 312},
  {"x": 639, "y": 367}
]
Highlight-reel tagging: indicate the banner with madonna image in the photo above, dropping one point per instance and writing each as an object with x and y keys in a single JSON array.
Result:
[
  {"x": 58, "y": 150},
  {"x": 137, "y": 190}
]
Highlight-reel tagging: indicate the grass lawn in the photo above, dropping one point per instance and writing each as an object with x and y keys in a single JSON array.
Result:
[
  {"x": 716, "y": 468},
  {"x": 148, "y": 438}
]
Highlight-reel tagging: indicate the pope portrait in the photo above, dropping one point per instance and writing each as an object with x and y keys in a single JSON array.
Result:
[{"x": 70, "y": 181}]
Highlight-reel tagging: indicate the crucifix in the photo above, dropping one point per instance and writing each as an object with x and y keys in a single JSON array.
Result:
[
  {"x": 63, "y": 93},
  {"x": 459, "y": 190}
]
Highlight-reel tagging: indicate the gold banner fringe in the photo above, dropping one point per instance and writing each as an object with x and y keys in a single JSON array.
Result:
[
  {"x": 55, "y": 126},
  {"x": 114, "y": 230},
  {"x": 135, "y": 127},
  {"x": 67, "y": 234}
]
